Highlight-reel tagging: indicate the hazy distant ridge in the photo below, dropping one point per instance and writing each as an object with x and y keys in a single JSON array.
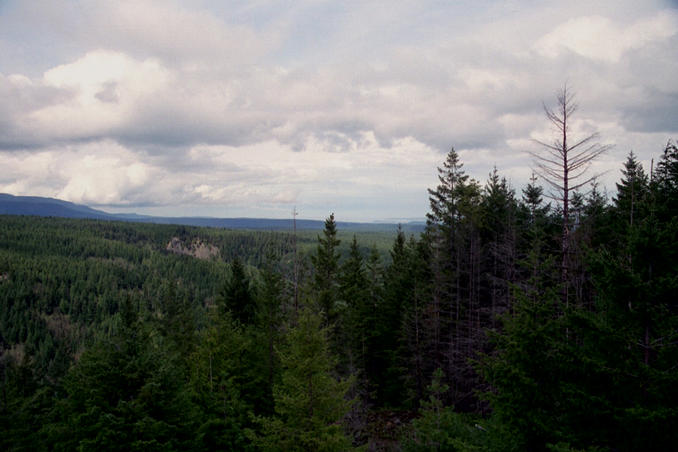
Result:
[{"x": 50, "y": 207}]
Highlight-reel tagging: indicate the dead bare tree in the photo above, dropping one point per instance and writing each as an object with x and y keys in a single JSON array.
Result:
[{"x": 564, "y": 163}]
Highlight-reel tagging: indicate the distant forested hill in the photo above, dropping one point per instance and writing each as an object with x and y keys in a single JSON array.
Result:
[{"x": 50, "y": 207}]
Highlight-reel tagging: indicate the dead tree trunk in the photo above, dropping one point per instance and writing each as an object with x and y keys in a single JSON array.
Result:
[{"x": 564, "y": 166}]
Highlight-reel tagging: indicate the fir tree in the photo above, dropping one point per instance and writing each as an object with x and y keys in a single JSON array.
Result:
[
  {"x": 236, "y": 295},
  {"x": 387, "y": 367},
  {"x": 326, "y": 266},
  {"x": 356, "y": 322},
  {"x": 309, "y": 402},
  {"x": 218, "y": 376},
  {"x": 439, "y": 428},
  {"x": 631, "y": 190}
]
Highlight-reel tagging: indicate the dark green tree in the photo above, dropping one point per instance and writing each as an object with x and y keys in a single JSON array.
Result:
[
  {"x": 498, "y": 233},
  {"x": 386, "y": 367},
  {"x": 125, "y": 393},
  {"x": 271, "y": 300},
  {"x": 177, "y": 322},
  {"x": 236, "y": 295},
  {"x": 310, "y": 402},
  {"x": 326, "y": 268},
  {"x": 357, "y": 320},
  {"x": 439, "y": 428},
  {"x": 632, "y": 190},
  {"x": 220, "y": 371},
  {"x": 453, "y": 320}
]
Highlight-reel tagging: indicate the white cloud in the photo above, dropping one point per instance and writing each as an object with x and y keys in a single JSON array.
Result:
[
  {"x": 600, "y": 38},
  {"x": 319, "y": 104},
  {"x": 106, "y": 87}
]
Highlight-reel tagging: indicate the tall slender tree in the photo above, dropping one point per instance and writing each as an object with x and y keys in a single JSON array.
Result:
[
  {"x": 452, "y": 318},
  {"x": 326, "y": 263}
]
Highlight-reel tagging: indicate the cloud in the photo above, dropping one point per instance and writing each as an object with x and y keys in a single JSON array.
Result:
[
  {"x": 270, "y": 175},
  {"x": 599, "y": 38},
  {"x": 316, "y": 103}
]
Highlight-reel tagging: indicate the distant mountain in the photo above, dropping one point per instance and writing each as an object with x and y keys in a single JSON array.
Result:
[
  {"x": 50, "y": 207},
  {"x": 47, "y": 207}
]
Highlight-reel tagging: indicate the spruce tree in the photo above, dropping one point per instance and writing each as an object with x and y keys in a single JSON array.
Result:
[
  {"x": 220, "y": 372},
  {"x": 631, "y": 190},
  {"x": 356, "y": 322},
  {"x": 236, "y": 295},
  {"x": 398, "y": 284},
  {"x": 498, "y": 233},
  {"x": 125, "y": 392},
  {"x": 271, "y": 301},
  {"x": 326, "y": 266},
  {"x": 310, "y": 402},
  {"x": 453, "y": 321}
]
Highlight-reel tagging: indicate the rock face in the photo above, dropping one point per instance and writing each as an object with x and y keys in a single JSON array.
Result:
[{"x": 196, "y": 248}]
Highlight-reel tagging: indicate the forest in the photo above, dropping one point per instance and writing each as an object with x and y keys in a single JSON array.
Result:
[{"x": 511, "y": 323}]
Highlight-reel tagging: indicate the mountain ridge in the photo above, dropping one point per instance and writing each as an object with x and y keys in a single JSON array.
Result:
[{"x": 53, "y": 207}]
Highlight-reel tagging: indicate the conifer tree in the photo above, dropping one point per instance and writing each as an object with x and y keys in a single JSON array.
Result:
[
  {"x": 310, "y": 402},
  {"x": 398, "y": 284},
  {"x": 177, "y": 322},
  {"x": 125, "y": 393},
  {"x": 236, "y": 295},
  {"x": 453, "y": 320},
  {"x": 631, "y": 190},
  {"x": 533, "y": 237},
  {"x": 356, "y": 323},
  {"x": 498, "y": 231},
  {"x": 270, "y": 303},
  {"x": 326, "y": 267},
  {"x": 439, "y": 428},
  {"x": 218, "y": 376}
]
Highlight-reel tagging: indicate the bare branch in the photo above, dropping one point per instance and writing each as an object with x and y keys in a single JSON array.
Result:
[{"x": 564, "y": 163}]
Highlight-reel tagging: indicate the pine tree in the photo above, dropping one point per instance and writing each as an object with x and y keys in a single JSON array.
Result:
[
  {"x": 631, "y": 190},
  {"x": 452, "y": 318},
  {"x": 533, "y": 199},
  {"x": 533, "y": 238},
  {"x": 236, "y": 295},
  {"x": 439, "y": 428},
  {"x": 326, "y": 266},
  {"x": 220, "y": 371},
  {"x": 499, "y": 246},
  {"x": 177, "y": 322},
  {"x": 356, "y": 322},
  {"x": 385, "y": 363},
  {"x": 270, "y": 302},
  {"x": 125, "y": 393},
  {"x": 309, "y": 402}
]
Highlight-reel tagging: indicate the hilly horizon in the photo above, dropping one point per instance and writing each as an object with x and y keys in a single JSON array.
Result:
[{"x": 53, "y": 207}]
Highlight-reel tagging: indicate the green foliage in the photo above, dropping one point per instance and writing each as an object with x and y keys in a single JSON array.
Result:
[
  {"x": 236, "y": 295},
  {"x": 309, "y": 402},
  {"x": 219, "y": 375},
  {"x": 385, "y": 369},
  {"x": 326, "y": 267},
  {"x": 125, "y": 393},
  {"x": 439, "y": 428}
]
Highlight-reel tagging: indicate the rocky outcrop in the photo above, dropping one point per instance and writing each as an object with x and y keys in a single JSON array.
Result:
[{"x": 196, "y": 248}]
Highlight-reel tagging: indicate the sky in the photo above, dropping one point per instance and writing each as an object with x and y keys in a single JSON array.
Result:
[{"x": 250, "y": 108}]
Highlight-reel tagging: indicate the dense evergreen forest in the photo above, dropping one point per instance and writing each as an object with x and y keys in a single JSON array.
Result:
[{"x": 509, "y": 324}]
